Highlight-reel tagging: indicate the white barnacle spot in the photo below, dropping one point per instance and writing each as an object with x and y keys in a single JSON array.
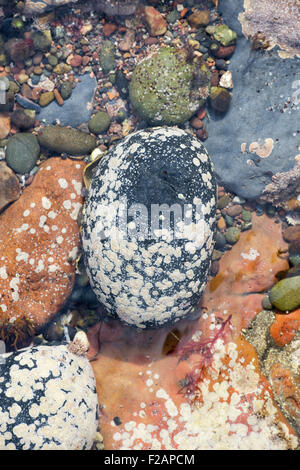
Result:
[
  {"x": 46, "y": 203},
  {"x": 67, "y": 204},
  {"x": 26, "y": 213},
  {"x": 196, "y": 161},
  {"x": 21, "y": 255},
  {"x": 48, "y": 168},
  {"x": 43, "y": 219},
  {"x": 40, "y": 266},
  {"x": 77, "y": 186},
  {"x": 3, "y": 308},
  {"x": 52, "y": 268},
  {"x": 76, "y": 208},
  {"x": 54, "y": 228},
  {"x": 59, "y": 239},
  {"x": 14, "y": 285},
  {"x": 52, "y": 215},
  {"x": 63, "y": 183},
  {"x": 3, "y": 273},
  {"x": 32, "y": 231},
  {"x": 32, "y": 205},
  {"x": 23, "y": 228},
  {"x": 14, "y": 410},
  {"x": 73, "y": 253},
  {"x": 252, "y": 255}
]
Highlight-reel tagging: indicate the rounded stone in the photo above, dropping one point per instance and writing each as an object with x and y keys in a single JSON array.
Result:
[
  {"x": 66, "y": 90},
  {"x": 48, "y": 400},
  {"x": 66, "y": 140},
  {"x": 232, "y": 235},
  {"x": 22, "y": 152},
  {"x": 99, "y": 123},
  {"x": 161, "y": 88},
  {"x": 148, "y": 227},
  {"x": 285, "y": 295}
]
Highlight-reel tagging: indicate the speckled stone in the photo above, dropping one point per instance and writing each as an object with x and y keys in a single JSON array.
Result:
[
  {"x": 39, "y": 241},
  {"x": 150, "y": 280},
  {"x": 48, "y": 400}
]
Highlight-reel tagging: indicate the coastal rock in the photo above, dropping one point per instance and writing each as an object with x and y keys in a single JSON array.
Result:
[
  {"x": 160, "y": 88},
  {"x": 217, "y": 396},
  {"x": 265, "y": 91},
  {"x": 285, "y": 295},
  {"x": 65, "y": 140},
  {"x": 156, "y": 23},
  {"x": 148, "y": 276},
  {"x": 10, "y": 188},
  {"x": 77, "y": 107},
  {"x": 22, "y": 152},
  {"x": 39, "y": 243},
  {"x": 48, "y": 400}
]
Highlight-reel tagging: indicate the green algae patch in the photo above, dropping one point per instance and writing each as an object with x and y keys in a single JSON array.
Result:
[{"x": 161, "y": 88}]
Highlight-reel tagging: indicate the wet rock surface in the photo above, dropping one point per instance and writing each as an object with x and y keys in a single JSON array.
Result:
[
  {"x": 48, "y": 400},
  {"x": 217, "y": 396},
  {"x": 77, "y": 109},
  {"x": 144, "y": 170},
  {"x": 262, "y": 94},
  {"x": 40, "y": 240}
]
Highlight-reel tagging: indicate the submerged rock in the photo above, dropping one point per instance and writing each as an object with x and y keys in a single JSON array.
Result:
[
  {"x": 285, "y": 295},
  {"x": 263, "y": 110},
  {"x": 77, "y": 107},
  {"x": 48, "y": 400},
  {"x": 39, "y": 240},
  {"x": 10, "y": 188},
  {"x": 66, "y": 140},
  {"x": 161, "y": 88},
  {"x": 146, "y": 274},
  {"x": 22, "y": 152}
]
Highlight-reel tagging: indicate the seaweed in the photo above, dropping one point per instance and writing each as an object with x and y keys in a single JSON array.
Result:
[{"x": 190, "y": 382}]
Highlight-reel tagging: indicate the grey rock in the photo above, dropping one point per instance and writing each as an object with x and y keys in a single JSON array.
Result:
[
  {"x": 259, "y": 110},
  {"x": 77, "y": 109}
]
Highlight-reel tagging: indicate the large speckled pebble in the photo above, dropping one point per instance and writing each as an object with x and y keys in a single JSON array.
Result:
[
  {"x": 48, "y": 400},
  {"x": 154, "y": 279}
]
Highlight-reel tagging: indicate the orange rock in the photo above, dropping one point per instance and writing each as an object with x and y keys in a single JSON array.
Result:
[
  {"x": 156, "y": 23},
  {"x": 247, "y": 269},
  {"x": 285, "y": 327},
  {"x": 39, "y": 240},
  {"x": 58, "y": 97},
  {"x": 143, "y": 376},
  {"x": 4, "y": 125},
  {"x": 9, "y": 186},
  {"x": 109, "y": 29}
]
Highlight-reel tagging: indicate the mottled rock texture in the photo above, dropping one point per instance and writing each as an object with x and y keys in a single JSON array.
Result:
[
  {"x": 39, "y": 240},
  {"x": 151, "y": 270},
  {"x": 48, "y": 400}
]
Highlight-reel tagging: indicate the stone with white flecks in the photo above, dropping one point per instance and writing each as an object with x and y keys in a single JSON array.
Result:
[
  {"x": 147, "y": 268},
  {"x": 39, "y": 242},
  {"x": 48, "y": 400}
]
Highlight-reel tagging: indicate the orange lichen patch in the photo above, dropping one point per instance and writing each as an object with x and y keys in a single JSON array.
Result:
[
  {"x": 285, "y": 327},
  {"x": 263, "y": 151},
  {"x": 39, "y": 240}
]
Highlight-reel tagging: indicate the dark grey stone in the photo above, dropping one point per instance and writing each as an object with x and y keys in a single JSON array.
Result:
[
  {"x": 259, "y": 110},
  {"x": 77, "y": 109}
]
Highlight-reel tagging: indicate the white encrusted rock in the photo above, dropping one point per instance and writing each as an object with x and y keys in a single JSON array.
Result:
[
  {"x": 149, "y": 225},
  {"x": 48, "y": 400}
]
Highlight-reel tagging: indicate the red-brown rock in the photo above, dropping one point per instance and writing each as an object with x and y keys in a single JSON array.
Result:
[
  {"x": 39, "y": 240},
  {"x": 155, "y": 22}
]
